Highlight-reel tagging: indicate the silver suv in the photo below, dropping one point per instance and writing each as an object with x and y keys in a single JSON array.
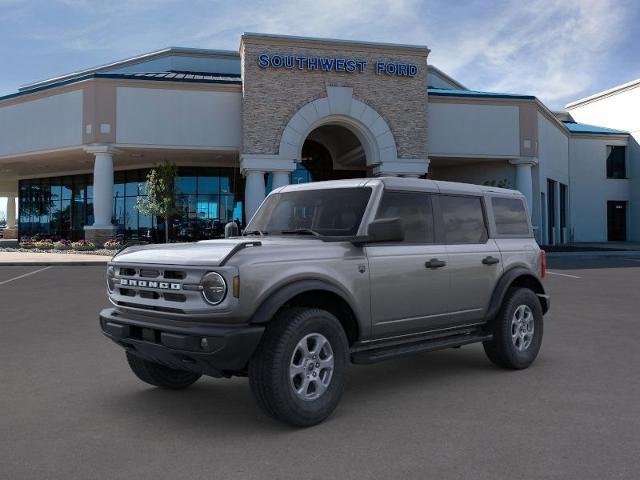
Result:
[{"x": 330, "y": 274}]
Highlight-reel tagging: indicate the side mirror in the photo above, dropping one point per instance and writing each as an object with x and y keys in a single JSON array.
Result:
[{"x": 385, "y": 230}]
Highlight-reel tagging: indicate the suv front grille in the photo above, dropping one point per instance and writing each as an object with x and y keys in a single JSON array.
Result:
[{"x": 157, "y": 288}]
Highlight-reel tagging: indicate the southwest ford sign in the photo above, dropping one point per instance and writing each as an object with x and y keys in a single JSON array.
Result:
[{"x": 335, "y": 64}]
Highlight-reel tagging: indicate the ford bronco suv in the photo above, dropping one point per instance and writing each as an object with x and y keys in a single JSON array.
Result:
[{"x": 330, "y": 274}]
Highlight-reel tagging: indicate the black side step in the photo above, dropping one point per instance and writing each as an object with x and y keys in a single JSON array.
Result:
[{"x": 386, "y": 353}]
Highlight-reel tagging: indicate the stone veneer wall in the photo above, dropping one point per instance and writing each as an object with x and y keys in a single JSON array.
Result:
[{"x": 271, "y": 96}]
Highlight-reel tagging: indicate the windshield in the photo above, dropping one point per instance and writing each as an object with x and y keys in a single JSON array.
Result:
[{"x": 321, "y": 212}]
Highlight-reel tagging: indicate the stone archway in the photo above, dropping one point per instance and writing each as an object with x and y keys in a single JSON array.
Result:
[{"x": 340, "y": 108}]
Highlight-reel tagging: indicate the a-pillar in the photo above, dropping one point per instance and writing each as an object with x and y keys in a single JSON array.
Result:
[
  {"x": 102, "y": 228},
  {"x": 524, "y": 178}
]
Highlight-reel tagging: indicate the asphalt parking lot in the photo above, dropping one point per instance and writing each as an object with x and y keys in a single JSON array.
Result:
[{"x": 71, "y": 409}]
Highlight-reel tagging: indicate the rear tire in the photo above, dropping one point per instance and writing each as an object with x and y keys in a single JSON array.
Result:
[
  {"x": 517, "y": 330},
  {"x": 297, "y": 374},
  {"x": 159, "y": 375}
]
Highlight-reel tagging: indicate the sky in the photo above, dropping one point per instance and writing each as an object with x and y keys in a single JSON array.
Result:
[{"x": 558, "y": 50}]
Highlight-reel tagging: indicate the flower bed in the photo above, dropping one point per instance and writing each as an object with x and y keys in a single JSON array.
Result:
[
  {"x": 62, "y": 245},
  {"x": 47, "y": 245},
  {"x": 113, "y": 244},
  {"x": 83, "y": 245}
]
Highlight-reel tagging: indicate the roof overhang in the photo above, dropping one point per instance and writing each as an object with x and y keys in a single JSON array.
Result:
[{"x": 605, "y": 93}]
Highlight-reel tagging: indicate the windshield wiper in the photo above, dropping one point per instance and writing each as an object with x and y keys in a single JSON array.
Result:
[
  {"x": 301, "y": 231},
  {"x": 254, "y": 232}
]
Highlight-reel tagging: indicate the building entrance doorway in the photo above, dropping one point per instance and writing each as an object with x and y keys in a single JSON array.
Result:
[
  {"x": 331, "y": 152},
  {"x": 617, "y": 221}
]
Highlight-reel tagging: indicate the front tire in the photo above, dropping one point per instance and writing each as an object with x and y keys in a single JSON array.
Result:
[
  {"x": 159, "y": 375},
  {"x": 297, "y": 374},
  {"x": 517, "y": 330}
]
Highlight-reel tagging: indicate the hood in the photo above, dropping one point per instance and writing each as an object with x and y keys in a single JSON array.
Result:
[
  {"x": 210, "y": 252},
  {"x": 206, "y": 252}
]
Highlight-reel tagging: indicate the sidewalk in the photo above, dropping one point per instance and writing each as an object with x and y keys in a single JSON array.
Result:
[{"x": 46, "y": 259}]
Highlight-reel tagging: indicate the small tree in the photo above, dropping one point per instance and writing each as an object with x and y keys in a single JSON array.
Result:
[{"x": 160, "y": 193}]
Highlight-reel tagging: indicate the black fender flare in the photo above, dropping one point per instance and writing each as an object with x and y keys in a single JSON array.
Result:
[
  {"x": 507, "y": 279},
  {"x": 274, "y": 301}
]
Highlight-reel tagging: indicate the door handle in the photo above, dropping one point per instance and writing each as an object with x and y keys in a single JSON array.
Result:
[
  {"x": 435, "y": 263},
  {"x": 490, "y": 260}
]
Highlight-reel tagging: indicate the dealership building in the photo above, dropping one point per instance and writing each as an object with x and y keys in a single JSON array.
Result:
[{"x": 75, "y": 149}]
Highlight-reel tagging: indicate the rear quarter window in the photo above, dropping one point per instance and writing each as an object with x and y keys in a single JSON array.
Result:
[{"x": 510, "y": 216}]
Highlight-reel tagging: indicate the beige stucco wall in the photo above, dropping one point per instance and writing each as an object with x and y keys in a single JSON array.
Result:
[
  {"x": 178, "y": 117},
  {"x": 50, "y": 122},
  {"x": 272, "y": 96},
  {"x": 460, "y": 129}
]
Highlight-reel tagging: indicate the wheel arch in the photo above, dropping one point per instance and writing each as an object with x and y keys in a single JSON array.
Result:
[
  {"x": 516, "y": 277},
  {"x": 311, "y": 293}
]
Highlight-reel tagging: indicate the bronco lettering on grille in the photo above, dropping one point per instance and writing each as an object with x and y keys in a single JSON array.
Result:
[{"x": 130, "y": 282}]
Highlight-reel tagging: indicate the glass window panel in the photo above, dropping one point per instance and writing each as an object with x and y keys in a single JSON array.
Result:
[
  {"x": 227, "y": 205},
  {"x": 131, "y": 185},
  {"x": 208, "y": 184},
  {"x": 65, "y": 226},
  {"x": 616, "y": 162},
  {"x": 238, "y": 211},
  {"x": 90, "y": 186},
  {"x": 89, "y": 211},
  {"x": 510, "y": 216},
  {"x": 79, "y": 187},
  {"x": 131, "y": 217},
  {"x": 186, "y": 184},
  {"x": 301, "y": 174},
  {"x": 119, "y": 180},
  {"x": 45, "y": 202},
  {"x": 67, "y": 188},
  {"x": 119, "y": 213},
  {"x": 463, "y": 219},
  {"x": 226, "y": 185},
  {"x": 414, "y": 210},
  {"x": 56, "y": 188},
  {"x": 207, "y": 206},
  {"x": 55, "y": 218}
]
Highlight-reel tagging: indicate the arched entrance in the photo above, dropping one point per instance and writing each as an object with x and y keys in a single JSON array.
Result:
[{"x": 331, "y": 152}]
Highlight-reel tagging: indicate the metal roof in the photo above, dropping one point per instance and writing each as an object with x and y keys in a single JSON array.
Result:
[
  {"x": 444, "y": 92},
  {"x": 575, "y": 127},
  {"x": 145, "y": 57},
  {"x": 186, "y": 77},
  {"x": 176, "y": 75}
]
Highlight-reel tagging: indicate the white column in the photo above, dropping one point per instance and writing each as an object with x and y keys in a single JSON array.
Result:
[
  {"x": 524, "y": 178},
  {"x": 280, "y": 179},
  {"x": 11, "y": 211},
  {"x": 253, "y": 167},
  {"x": 254, "y": 191},
  {"x": 102, "y": 187}
]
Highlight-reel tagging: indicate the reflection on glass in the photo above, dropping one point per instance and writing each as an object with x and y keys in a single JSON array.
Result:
[{"x": 60, "y": 207}]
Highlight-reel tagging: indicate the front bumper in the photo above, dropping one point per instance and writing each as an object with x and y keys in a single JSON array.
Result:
[{"x": 214, "y": 350}]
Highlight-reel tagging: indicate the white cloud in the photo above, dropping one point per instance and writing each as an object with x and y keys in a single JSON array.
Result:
[
  {"x": 554, "y": 49},
  {"x": 544, "y": 47}
]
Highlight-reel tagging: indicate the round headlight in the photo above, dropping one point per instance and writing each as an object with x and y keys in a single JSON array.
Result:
[
  {"x": 111, "y": 275},
  {"x": 214, "y": 288}
]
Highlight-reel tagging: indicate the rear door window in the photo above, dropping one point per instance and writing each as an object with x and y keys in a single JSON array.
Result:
[
  {"x": 415, "y": 212},
  {"x": 463, "y": 219},
  {"x": 510, "y": 216}
]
